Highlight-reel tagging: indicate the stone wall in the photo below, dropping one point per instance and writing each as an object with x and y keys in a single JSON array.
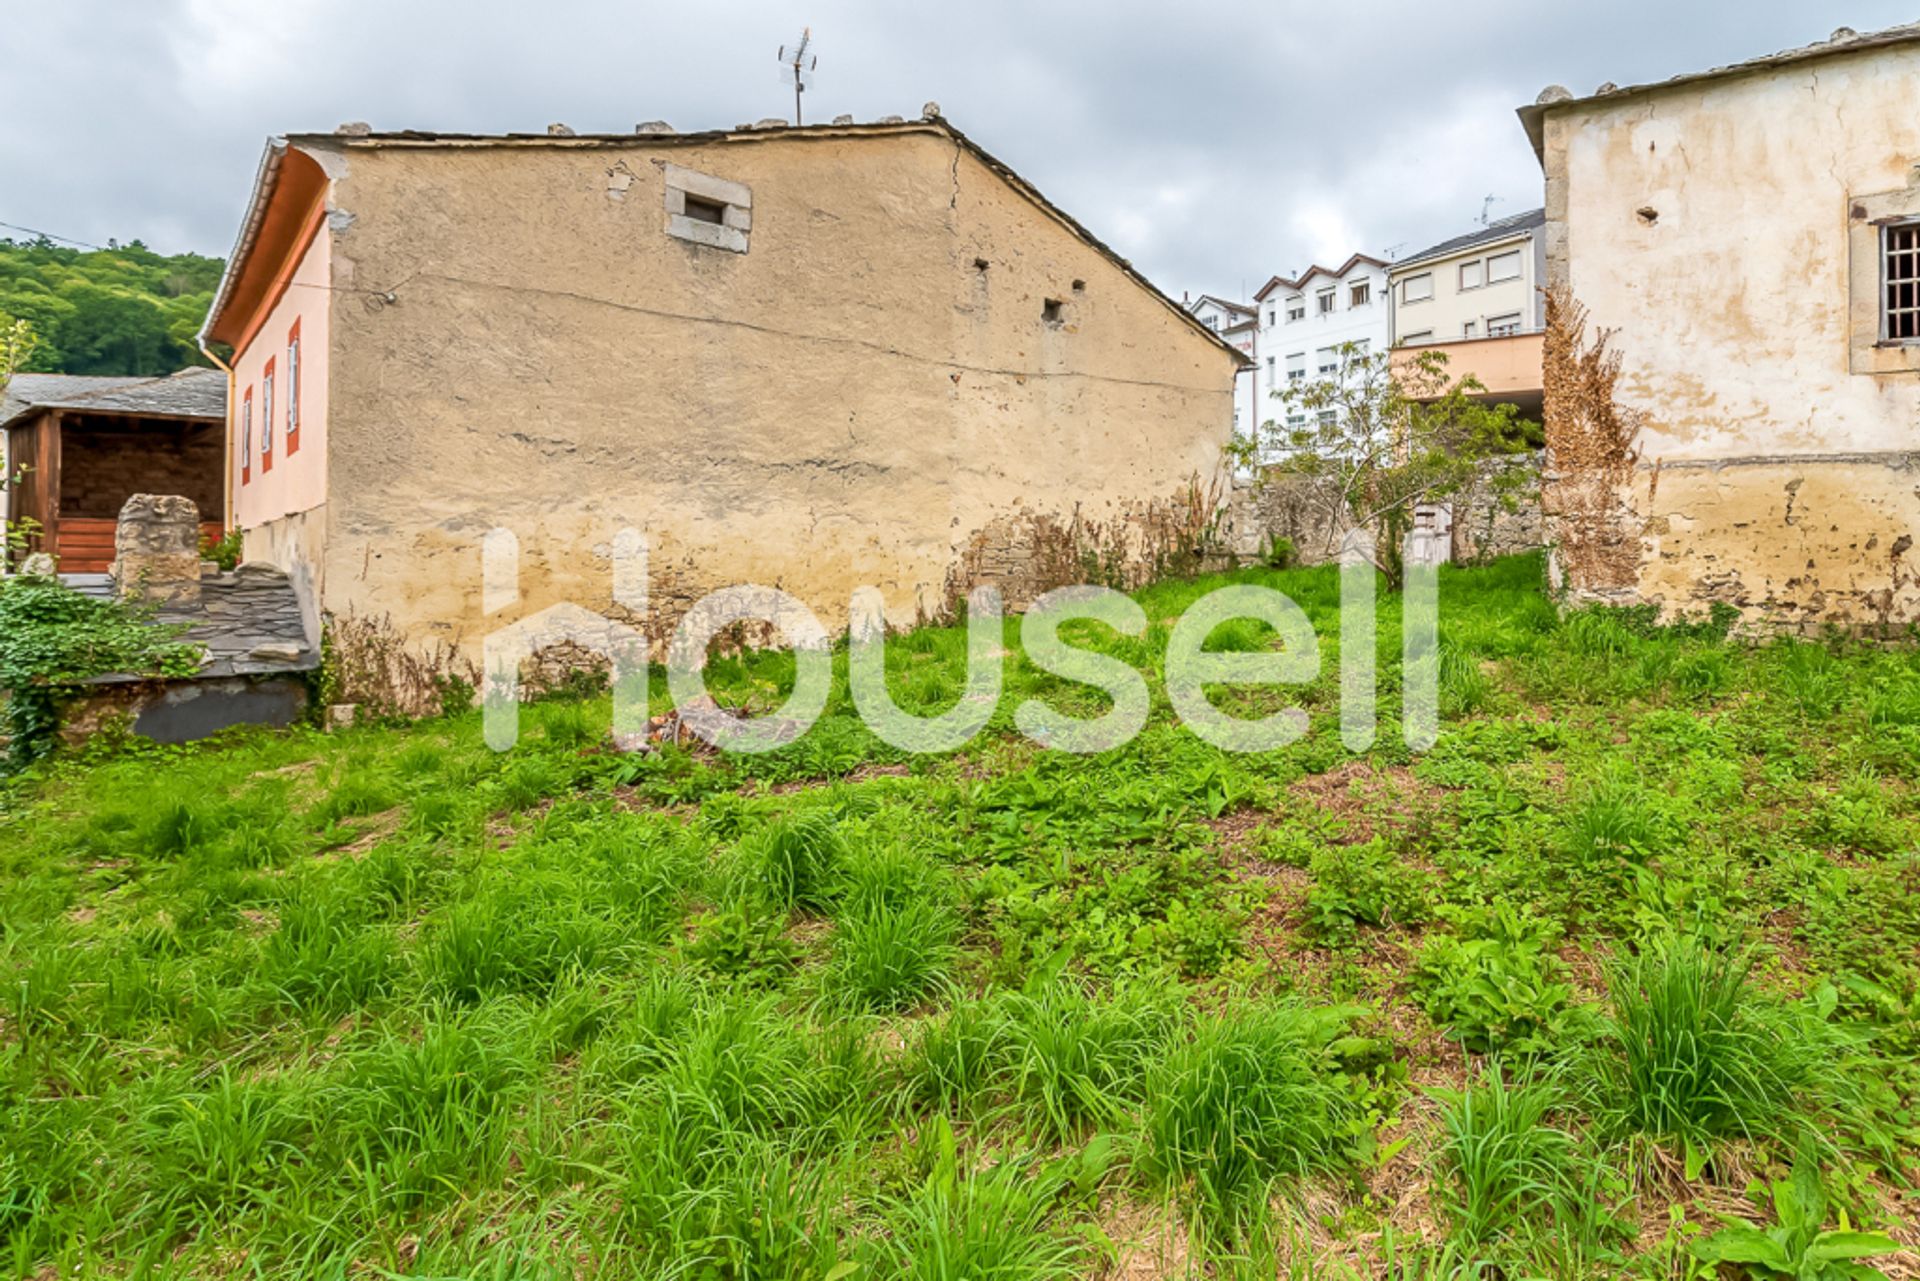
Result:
[{"x": 1485, "y": 523}]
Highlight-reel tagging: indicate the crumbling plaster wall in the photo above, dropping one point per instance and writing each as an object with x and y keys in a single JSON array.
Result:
[
  {"x": 852, "y": 401},
  {"x": 1706, "y": 225}
]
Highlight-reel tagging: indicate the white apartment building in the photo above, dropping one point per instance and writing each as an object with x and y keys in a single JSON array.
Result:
[
  {"x": 1235, "y": 322},
  {"x": 1304, "y": 321},
  {"x": 1485, "y": 284},
  {"x": 1477, "y": 299}
]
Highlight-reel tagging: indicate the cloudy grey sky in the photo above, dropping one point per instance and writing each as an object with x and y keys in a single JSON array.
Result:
[{"x": 1213, "y": 143}]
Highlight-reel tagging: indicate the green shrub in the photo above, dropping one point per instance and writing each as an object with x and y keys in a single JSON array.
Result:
[
  {"x": 1366, "y": 884},
  {"x": 1498, "y": 984}
]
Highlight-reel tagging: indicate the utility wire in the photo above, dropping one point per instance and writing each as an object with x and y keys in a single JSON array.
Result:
[{"x": 48, "y": 235}]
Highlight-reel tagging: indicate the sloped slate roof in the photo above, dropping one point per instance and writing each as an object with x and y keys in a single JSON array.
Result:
[
  {"x": 1499, "y": 229},
  {"x": 239, "y": 613},
  {"x": 190, "y": 393}
]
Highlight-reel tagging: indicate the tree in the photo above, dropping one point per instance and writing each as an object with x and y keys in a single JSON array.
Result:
[
  {"x": 17, "y": 343},
  {"x": 1384, "y": 434},
  {"x": 125, "y": 310}
]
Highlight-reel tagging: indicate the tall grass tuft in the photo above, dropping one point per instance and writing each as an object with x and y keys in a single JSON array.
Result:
[
  {"x": 887, "y": 957},
  {"x": 1000, "y": 1221},
  {"x": 1247, "y": 1099},
  {"x": 793, "y": 860},
  {"x": 1510, "y": 1167},
  {"x": 1703, "y": 1053}
]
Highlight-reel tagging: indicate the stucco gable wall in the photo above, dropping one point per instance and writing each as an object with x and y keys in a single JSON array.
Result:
[
  {"x": 1731, "y": 305},
  {"x": 1768, "y": 475},
  {"x": 827, "y": 409}
]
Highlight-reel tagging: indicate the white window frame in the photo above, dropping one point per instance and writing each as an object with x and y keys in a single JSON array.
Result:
[
  {"x": 293, "y": 387},
  {"x": 1326, "y": 300},
  {"x": 1479, "y": 269},
  {"x": 1425, "y": 281},
  {"x": 1909, "y": 229},
  {"x": 1505, "y": 326},
  {"x": 266, "y": 418},
  {"x": 1425, "y": 335},
  {"x": 1296, "y": 308},
  {"x": 1519, "y": 267}
]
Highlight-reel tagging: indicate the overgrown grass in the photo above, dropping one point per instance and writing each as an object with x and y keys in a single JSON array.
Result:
[{"x": 1643, "y": 924}]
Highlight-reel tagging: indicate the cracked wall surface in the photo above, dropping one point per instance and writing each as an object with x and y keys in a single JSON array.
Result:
[
  {"x": 1704, "y": 229},
  {"x": 868, "y": 395}
]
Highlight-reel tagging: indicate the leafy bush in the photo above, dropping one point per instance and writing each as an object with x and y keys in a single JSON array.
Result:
[
  {"x": 1363, "y": 885},
  {"x": 1799, "y": 1246},
  {"x": 52, "y": 639},
  {"x": 1498, "y": 985}
]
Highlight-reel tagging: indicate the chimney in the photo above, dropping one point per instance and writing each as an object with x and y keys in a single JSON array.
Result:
[{"x": 156, "y": 551}]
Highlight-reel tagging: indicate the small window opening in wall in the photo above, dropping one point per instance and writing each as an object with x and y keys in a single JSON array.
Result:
[
  {"x": 981, "y": 264},
  {"x": 1079, "y": 286},
  {"x": 1648, "y": 214},
  {"x": 1052, "y": 311},
  {"x": 706, "y": 210}
]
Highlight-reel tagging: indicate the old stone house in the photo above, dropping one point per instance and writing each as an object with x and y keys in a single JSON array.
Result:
[
  {"x": 810, "y": 358},
  {"x": 1732, "y": 364}
]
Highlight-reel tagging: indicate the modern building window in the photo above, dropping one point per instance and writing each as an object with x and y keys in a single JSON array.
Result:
[
  {"x": 1272, "y": 316},
  {"x": 1327, "y": 359},
  {"x": 1326, "y": 302},
  {"x": 1296, "y": 366},
  {"x": 1470, "y": 330},
  {"x": 1504, "y": 266},
  {"x": 1503, "y": 326},
  {"x": 1473, "y": 274},
  {"x": 246, "y": 436},
  {"x": 1296, "y": 308},
  {"x": 1417, "y": 288},
  {"x": 1425, "y": 335},
  {"x": 1296, "y": 420},
  {"x": 1328, "y": 417},
  {"x": 1361, "y": 294},
  {"x": 1900, "y": 269},
  {"x": 266, "y": 418},
  {"x": 293, "y": 389}
]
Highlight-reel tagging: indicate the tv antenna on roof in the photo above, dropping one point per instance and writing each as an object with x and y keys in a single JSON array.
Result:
[
  {"x": 799, "y": 61},
  {"x": 1486, "y": 210}
]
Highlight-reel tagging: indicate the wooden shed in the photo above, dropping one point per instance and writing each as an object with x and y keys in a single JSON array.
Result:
[{"x": 78, "y": 447}]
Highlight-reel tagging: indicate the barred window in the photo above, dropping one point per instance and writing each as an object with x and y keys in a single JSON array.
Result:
[{"x": 1901, "y": 272}]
